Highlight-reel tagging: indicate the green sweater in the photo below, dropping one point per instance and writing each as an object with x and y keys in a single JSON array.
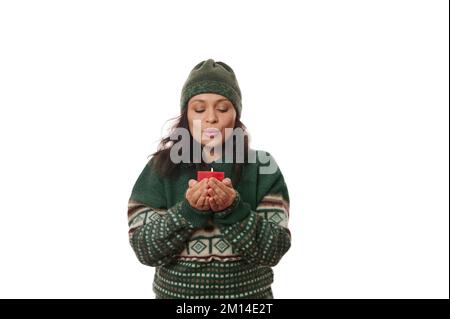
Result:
[{"x": 231, "y": 259}]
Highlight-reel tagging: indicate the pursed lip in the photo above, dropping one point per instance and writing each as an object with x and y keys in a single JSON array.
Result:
[{"x": 211, "y": 130}]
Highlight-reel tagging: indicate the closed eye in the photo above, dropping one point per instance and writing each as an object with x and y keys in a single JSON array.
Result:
[{"x": 201, "y": 111}]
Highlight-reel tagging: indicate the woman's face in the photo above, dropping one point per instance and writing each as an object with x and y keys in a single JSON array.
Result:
[{"x": 214, "y": 113}]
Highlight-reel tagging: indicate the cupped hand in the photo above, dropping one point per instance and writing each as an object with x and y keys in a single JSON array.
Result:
[
  {"x": 196, "y": 194},
  {"x": 221, "y": 194}
]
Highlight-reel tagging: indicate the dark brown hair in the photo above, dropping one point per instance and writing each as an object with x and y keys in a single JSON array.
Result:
[{"x": 166, "y": 168}]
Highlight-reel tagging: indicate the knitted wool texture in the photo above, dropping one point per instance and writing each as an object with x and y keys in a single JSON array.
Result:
[
  {"x": 210, "y": 76},
  {"x": 233, "y": 260}
]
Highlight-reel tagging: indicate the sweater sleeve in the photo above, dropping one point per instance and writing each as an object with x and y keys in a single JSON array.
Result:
[
  {"x": 158, "y": 234},
  {"x": 261, "y": 235}
]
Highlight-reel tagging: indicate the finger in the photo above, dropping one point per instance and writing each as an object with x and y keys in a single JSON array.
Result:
[
  {"x": 213, "y": 204},
  {"x": 201, "y": 185},
  {"x": 201, "y": 200},
  {"x": 201, "y": 196},
  {"x": 219, "y": 201},
  {"x": 210, "y": 192},
  {"x": 198, "y": 190},
  {"x": 206, "y": 205},
  {"x": 225, "y": 194},
  {"x": 197, "y": 184},
  {"x": 223, "y": 197},
  {"x": 224, "y": 187},
  {"x": 212, "y": 181},
  {"x": 215, "y": 190},
  {"x": 212, "y": 188},
  {"x": 205, "y": 185},
  {"x": 229, "y": 191},
  {"x": 204, "y": 201},
  {"x": 220, "y": 189},
  {"x": 191, "y": 184}
]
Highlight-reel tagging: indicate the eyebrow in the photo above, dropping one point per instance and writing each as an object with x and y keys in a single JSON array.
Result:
[{"x": 200, "y": 100}]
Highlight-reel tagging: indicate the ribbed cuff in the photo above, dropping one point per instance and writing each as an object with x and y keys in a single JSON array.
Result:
[
  {"x": 196, "y": 217},
  {"x": 233, "y": 214}
]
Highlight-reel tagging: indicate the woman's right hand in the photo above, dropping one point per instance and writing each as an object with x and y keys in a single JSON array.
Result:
[{"x": 197, "y": 195}]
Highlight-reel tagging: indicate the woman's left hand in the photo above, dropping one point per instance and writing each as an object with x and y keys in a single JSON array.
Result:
[{"x": 220, "y": 194}]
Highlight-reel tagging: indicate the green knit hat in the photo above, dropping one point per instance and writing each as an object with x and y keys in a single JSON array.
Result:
[{"x": 210, "y": 76}]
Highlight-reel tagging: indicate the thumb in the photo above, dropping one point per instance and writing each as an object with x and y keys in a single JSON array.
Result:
[
  {"x": 227, "y": 182},
  {"x": 192, "y": 182}
]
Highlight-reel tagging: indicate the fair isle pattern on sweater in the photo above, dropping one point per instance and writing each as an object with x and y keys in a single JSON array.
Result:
[
  {"x": 233, "y": 260},
  {"x": 206, "y": 246}
]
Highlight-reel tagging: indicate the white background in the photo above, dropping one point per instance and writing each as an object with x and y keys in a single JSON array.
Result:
[{"x": 350, "y": 97}]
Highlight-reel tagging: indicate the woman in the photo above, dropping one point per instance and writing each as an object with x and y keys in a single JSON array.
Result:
[{"x": 213, "y": 238}]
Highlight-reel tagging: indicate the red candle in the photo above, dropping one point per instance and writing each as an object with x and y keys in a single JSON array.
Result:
[{"x": 207, "y": 174}]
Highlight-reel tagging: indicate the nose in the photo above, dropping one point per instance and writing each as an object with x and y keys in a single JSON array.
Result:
[{"x": 211, "y": 116}]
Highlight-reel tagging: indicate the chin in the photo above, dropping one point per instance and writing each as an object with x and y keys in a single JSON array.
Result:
[{"x": 211, "y": 144}]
